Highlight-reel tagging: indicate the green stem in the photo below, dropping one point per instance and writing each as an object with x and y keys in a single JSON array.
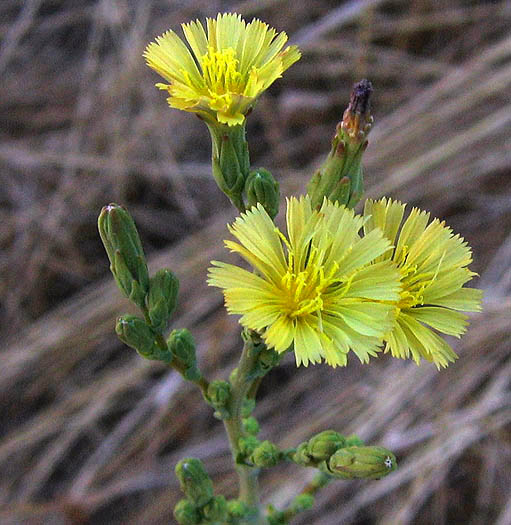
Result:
[
  {"x": 202, "y": 382},
  {"x": 312, "y": 488},
  {"x": 248, "y": 476}
]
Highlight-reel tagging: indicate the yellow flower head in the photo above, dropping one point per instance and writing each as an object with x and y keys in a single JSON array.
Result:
[
  {"x": 227, "y": 69},
  {"x": 433, "y": 265},
  {"x": 315, "y": 289}
]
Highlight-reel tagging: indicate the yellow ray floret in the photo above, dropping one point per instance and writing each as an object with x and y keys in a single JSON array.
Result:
[
  {"x": 433, "y": 263},
  {"x": 226, "y": 68},
  {"x": 317, "y": 289}
]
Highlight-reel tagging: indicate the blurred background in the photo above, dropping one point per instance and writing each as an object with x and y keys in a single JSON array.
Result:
[{"x": 90, "y": 432}]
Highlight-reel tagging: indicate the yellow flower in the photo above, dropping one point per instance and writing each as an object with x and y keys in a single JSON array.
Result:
[
  {"x": 227, "y": 68},
  {"x": 433, "y": 265},
  {"x": 315, "y": 289}
]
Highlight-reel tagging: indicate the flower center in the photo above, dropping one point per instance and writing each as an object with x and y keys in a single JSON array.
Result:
[
  {"x": 220, "y": 72},
  {"x": 414, "y": 283},
  {"x": 304, "y": 288}
]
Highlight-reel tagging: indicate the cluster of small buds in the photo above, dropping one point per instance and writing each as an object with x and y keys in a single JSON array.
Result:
[
  {"x": 344, "y": 457},
  {"x": 201, "y": 505},
  {"x": 156, "y": 296},
  {"x": 255, "y": 453}
]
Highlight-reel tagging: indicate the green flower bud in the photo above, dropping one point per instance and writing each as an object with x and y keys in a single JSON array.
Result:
[
  {"x": 362, "y": 462},
  {"x": 340, "y": 178},
  {"x": 137, "y": 334},
  {"x": 302, "y": 502},
  {"x": 219, "y": 396},
  {"x": 194, "y": 481},
  {"x": 268, "y": 359},
  {"x": 124, "y": 249},
  {"x": 323, "y": 445},
  {"x": 162, "y": 298},
  {"x": 182, "y": 346},
  {"x": 230, "y": 160},
  {"x": 251, "y": 426},
  {"x": 219, "y": 393},
  {"x": 265, "y": 455},
  {"x": 301, "y": 456},
  {"x": 261, "y": 187},
  {"x": 186, "y": 513},
  {"x": 354, "y": 441},
  {"x": 238, "y": 509},
  {"x": 215, "y": 511},
  {"x": 247, "y": 445},
  {"x": 276, "y": 517}
]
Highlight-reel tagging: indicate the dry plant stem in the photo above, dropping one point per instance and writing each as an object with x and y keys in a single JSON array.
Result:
[{"x": 241, "y": 385}]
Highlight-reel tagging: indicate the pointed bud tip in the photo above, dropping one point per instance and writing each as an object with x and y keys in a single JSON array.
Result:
[
  {"x": 361, "y": 96},
  {"x": 357, "y": 120}
]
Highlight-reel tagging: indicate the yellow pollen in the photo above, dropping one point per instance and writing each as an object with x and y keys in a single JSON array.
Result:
[
  {"x": 415, "y": 284},
  {"x": 220, "y": 71},
  {"x": 304, "y": 288}
]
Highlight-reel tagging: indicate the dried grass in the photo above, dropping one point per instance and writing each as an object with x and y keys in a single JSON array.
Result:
[{"x": 90, "y": 433}]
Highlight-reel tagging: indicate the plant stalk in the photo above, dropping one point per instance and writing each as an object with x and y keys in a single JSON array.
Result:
[{"x": 248, "y": 476}]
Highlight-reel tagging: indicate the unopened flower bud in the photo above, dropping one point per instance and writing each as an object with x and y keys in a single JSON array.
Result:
[
  {"x": 215, "y": 511},
  {"x": 194, "y": 481},
  {"x": 238, "y": 509},
  {"x": 247, "y": 445},
  {"x": 124, "y": 249},
  {"x": 137, "y": 334},
  {"x": 219, "y": 396},
  {"x": 301, "y": 456},
  {"x": 219, "y": 393},
  {"x": 182, "y": 346},
  {"x": 261, "y": 187},
  {"x": 251, "y": 426},
  {"x": 340, "y": 177},
  {"x": 230, "y": 160},
  {"x": 323, "y": 445},
  {"x": 357, "y": 120},
  {"x": 186, "y": 513},
  {"x": 162, "y": 298},
  {"x": 265, "y": 454},
  {"x": 302, "y": 502},
  {"x": 362, "y": 462},
  {"x": 268, "y": 359}
]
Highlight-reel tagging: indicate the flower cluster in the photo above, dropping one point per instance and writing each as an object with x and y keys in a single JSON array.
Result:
[
  {"x": 337, "y": 281},
  {"x": 325, "y": 289}
]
